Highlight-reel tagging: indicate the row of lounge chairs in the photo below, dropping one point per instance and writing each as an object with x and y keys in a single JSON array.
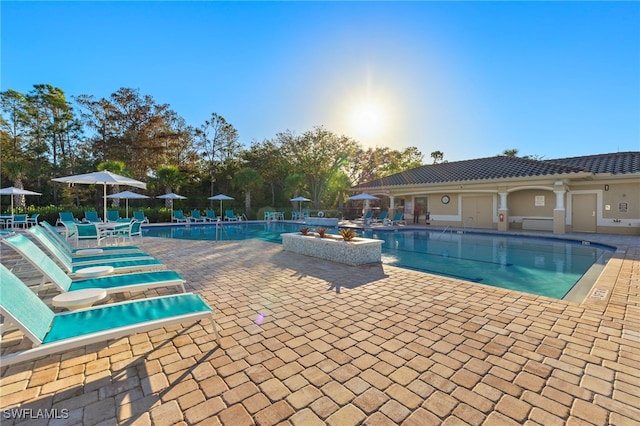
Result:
[
  {"x": 91, "y": 216},
  {"x": 59, "y": 267},
  {"x": 398, "y": 218},
  {"x": 210, "y": 216}
]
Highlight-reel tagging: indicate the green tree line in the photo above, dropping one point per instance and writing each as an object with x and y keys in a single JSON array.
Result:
[{"x": 44, "y": 135}]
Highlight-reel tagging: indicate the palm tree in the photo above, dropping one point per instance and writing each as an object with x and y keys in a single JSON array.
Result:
[
  {"x": 248, "y": 180},
  {"x": 171, "y": 178},
  {"x": 16, "y": 172}
]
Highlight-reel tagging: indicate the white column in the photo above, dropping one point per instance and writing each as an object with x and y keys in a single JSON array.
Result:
[
  {"x": 503, "y": 200},
  {"x": 560, "y": 199}
]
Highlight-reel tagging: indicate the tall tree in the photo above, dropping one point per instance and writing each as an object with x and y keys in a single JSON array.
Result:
[
  {"x": 318, "y": 154},
  {"x": 135, "y": 129},
  {"x": 267, "y": 159},
  {"x": 218, "y": 143},
  {"x": 438, "y": 156}
]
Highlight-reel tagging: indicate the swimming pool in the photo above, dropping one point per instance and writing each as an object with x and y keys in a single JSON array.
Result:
[{"x": 537, "y": 265}]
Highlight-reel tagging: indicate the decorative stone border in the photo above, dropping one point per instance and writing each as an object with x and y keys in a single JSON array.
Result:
[{"x": 359, "y": 251}]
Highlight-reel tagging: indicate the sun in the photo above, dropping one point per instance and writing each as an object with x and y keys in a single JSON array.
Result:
[{"x": 368, "y": 120}]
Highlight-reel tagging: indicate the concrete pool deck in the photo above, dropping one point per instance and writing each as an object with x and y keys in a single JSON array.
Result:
[{"x": 309, "y": 342}]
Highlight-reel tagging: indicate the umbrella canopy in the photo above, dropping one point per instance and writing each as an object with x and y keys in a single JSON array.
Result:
[
  {"x": 103, "y": 177},
  {"x": 222, "y": 198},
  {"x": 16, "y": 191},
  {"x": 127, "y": 195},
  {"x": 300, "y": 199},
  {"x": 366, "y": 197},
  {"x": 171, "y": 196}
]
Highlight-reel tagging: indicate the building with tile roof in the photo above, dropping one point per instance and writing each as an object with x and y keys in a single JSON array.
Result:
[{"x": 595, "y": 193}]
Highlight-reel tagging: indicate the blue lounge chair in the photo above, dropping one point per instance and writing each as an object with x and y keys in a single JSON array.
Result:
[
  {"x": 66, "y": 217},
  {"x": 178, "y": 216},
  {"x": 141, "y": 281},
  {"x": 229, "y": 215},
  {"x": 196, "y": 216},
  {"x": 367, "y": 216},
  {"x": 39, "y": 234},
  {"x": 91, "y": 217},
  {"x": 63, "y": 245},
  {"x": 381, "y": 217},
  {"x": 53, "y": 333},
  {"x": 113, "y": 216},
  {"x": 32, "y": 253},
  {"x": 140, "y": 217},
  {"x": 211, "y": 216},
  {"x": 398, "y": 218}
]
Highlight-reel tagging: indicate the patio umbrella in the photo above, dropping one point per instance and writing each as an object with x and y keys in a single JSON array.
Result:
[
  {"x": 300, "y": 199},
  {"x": 127, "y": 195},
  {"x": 222, "y": 198},
  {"x": 171, "y": 196},
  {"x": 105, "y": 178},
  {"x": 366, "y": 197},
  {"x": 16, "y": 191}
]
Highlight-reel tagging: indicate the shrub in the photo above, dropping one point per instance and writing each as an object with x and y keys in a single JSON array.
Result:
[
  {"x": 304, "y": 230},
  {"x": 321, "y": 232}
]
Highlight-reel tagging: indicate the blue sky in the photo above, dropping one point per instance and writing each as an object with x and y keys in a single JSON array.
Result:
[{"x": 470, "y": 79}]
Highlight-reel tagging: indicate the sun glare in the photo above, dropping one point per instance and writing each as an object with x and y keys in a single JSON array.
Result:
[{"x": 368, "y": 120}]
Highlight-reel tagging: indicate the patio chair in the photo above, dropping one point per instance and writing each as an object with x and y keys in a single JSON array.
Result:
[
  {"x": 91, "y": 217},
  {"x": 230, "y": 216},
  {"x": 96, "y": 258},
  {"x": 381, "y": 217},
  {"x": 33, "y": 254},
  {"x": 113, "y": 216},
  {"x": 211, "y": 216},
  {"x": 20, "y": 220},
  {"x": 140, "y": 217},
  {"x": 64, "y": 245},
  {"x": 196, "y": 216},
  {"x": 89, "y": 232},
  {"x": 398, "y": 218},
  {"x": 33, "y": 219},
  {"x": 133, "y": 229},
  {"x": 57, "y": 332},
  {"x": 66, "y": 217},
  {"x": 178, "y": 216}
]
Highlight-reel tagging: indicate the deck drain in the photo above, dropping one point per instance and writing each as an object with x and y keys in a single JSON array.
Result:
[{"x": 600, "y": 294}]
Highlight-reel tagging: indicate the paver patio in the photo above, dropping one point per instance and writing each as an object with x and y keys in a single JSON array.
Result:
[{"x": 308, "y": 342}]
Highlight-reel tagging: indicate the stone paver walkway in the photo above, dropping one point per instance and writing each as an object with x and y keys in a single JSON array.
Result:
[{"x": 308, "y": 342}]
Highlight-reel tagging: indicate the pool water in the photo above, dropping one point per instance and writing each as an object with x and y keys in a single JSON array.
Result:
[{"x": 543, "y": 266}]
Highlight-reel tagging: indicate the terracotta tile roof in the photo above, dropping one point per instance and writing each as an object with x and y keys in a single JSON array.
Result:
[{"x": 503, "y": 167}]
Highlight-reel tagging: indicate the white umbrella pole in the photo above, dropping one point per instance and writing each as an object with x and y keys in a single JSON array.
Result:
[
  {"x": 126, "y": 202},
  {"x": 104, "y": 207}
]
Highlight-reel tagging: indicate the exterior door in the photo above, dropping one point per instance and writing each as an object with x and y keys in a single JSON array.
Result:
[
  {"x": 477, "y": 212},
  {"x": 583, "y": 212}
]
